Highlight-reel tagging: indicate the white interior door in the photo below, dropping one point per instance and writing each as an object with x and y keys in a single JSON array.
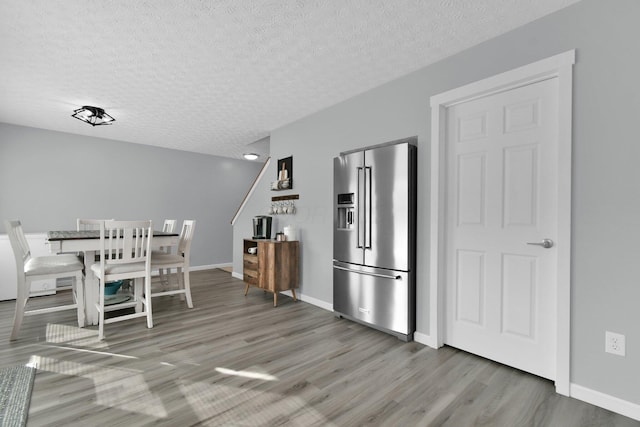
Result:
[{"x": 501, "y": 195}]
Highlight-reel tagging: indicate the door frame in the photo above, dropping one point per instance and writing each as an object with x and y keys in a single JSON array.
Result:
[{"x": 559, "y": 66}]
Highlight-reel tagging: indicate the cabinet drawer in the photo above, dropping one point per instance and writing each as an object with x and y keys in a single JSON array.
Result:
[
  {"x": 253, "y": 272},
  {"x": 251, "y": 277},
  {"x": 250, "y": 259},
  {"x": 250, "y": 269},
  {"x": 249, "y": 266}
]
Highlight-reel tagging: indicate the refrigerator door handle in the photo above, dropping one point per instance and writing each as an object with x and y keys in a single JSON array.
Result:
[
  {"x": 366, "y": 273},
  {"x": 367, "y": 202},
  {"x": 360, "y": 229}
]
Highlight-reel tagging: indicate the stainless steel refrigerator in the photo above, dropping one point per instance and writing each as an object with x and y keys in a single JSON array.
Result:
[{"x": 374, "y": 236}]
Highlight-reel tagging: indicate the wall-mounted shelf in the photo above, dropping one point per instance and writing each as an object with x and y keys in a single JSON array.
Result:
[
  {"x": 283, "y": 204},
  {"x": 287, "y": 197},
  {"x": 285, "y": 184}
]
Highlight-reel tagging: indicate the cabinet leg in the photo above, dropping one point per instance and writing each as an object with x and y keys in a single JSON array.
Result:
[
  {"x": 246, "y": 290},
  {"x": 293, "y": 292},
  {"x": 275, "y": 299}
]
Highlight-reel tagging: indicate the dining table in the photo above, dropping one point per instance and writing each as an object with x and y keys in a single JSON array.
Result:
[{"x": 88, "y": 242}]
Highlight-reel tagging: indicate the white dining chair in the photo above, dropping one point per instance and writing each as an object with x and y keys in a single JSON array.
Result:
[
  {"x": 84, "y": 224},
  {"x": 179, "y": 261},
  {"x": 169, "y": 226},
  {"x": 125, "y": 249},
  {"x": 30, "y": 269}
]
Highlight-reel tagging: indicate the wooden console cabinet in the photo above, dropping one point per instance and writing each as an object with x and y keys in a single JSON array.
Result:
[{"x": 273, "y": 268}]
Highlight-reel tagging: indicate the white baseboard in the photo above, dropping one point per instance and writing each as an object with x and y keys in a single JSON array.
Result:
[
  {"x": 623, "y": 407},
  {"x": 317, "y": 302},
  {"x": 425, "y": 339},
  {"x": 209, "y": 267},
  {"x": 302, "y": 297},
  {"x": 310, "y": 300}
]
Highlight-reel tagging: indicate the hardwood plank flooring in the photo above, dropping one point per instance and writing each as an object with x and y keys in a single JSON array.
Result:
[{"x": 238, "y": 361}]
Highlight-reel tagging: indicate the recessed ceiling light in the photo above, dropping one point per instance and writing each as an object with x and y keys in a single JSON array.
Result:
[{"x": 250, "y": 156}]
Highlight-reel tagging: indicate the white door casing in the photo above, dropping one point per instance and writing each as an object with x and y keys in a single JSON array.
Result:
[
  {"x": 557, "y": 69},
  {"x": 501, "y": 194}
]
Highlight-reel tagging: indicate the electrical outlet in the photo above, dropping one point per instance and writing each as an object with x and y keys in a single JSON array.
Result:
[{"x": 614, "y": 343}]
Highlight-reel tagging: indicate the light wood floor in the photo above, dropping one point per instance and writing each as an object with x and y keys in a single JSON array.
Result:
[{"x": 237, "y": 361}]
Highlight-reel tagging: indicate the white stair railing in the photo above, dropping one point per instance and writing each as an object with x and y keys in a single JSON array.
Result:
[{"x": 250, "y": 192}]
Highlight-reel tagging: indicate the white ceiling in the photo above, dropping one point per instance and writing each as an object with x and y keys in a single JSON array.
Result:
[{"x": 214, "y": 76}]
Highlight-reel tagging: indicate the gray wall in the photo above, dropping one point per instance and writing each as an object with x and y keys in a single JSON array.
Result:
[
  {"x": 605, "y": 204},
  {"x": 48, "y": 179}
]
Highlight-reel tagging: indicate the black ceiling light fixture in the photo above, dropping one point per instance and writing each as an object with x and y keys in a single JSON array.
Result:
[{"x": 95, "y": 116}]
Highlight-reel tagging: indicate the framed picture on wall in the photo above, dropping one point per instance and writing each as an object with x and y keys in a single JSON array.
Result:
[{"x": 285, "y": 172}]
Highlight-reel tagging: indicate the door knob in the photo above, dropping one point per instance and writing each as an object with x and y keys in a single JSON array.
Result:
[{"x": 546, "y": 243}]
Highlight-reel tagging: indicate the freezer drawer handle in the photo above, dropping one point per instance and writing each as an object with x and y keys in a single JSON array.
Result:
[{"x": 366, "y": 273}]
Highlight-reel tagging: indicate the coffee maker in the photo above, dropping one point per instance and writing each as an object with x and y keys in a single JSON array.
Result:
[{"x": 262, "y": 227}]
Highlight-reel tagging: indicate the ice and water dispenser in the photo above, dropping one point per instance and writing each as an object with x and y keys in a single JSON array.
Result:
[{"x": 346, "y": 211}]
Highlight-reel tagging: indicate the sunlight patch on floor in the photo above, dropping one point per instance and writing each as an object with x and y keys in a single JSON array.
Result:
[
  {"x": 176, "y": 357},
  {"x": 248, "y": 374},
  {"x": 72, "y": 335},
  {"x": 217, "y": 405},
  {"x": 124, "y": 389}
]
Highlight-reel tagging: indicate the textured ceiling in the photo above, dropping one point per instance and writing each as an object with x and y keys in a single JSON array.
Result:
[{"x": 214, "y": 76}]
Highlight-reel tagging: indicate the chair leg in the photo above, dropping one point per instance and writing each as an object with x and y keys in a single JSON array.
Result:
[
  {"x": 147, "y": 300},
  {"x": 101, "y": 312},
  {"x": 137, "y": 294},
  {"x": 78, "y": 285},
  {"x": 22, "y": 297},
  {"x": 184, "y": 284},
  {"x": 74, "y": 292}
]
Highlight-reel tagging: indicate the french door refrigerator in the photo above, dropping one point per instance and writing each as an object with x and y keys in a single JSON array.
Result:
[{"x": 374, "y": 236}]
